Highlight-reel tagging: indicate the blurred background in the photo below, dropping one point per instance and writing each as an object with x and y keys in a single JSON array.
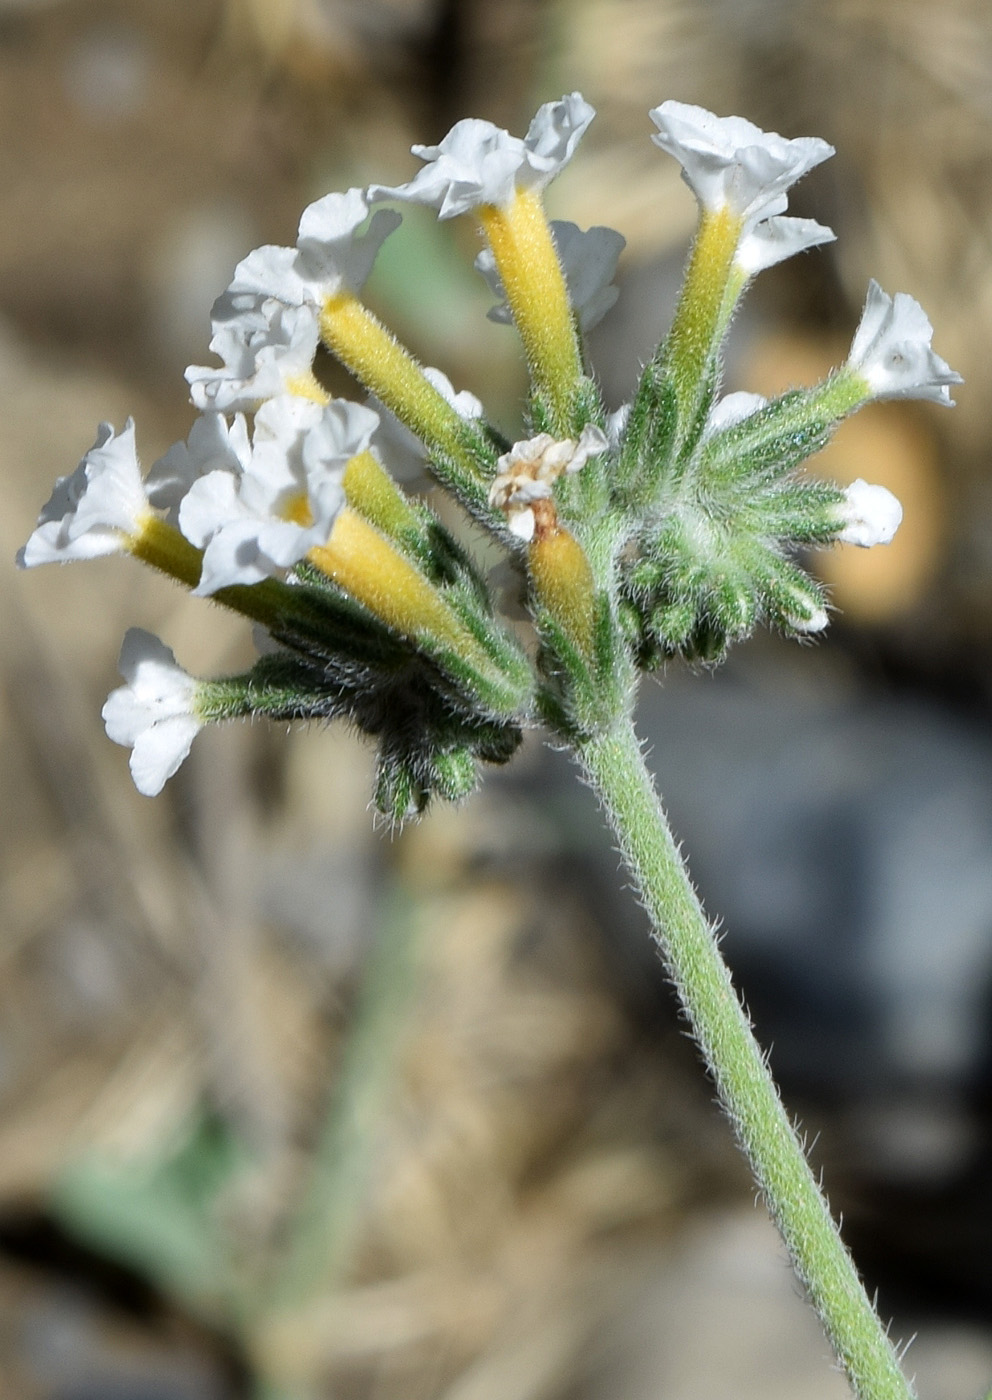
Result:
[{"x": 291, "y": 1107}]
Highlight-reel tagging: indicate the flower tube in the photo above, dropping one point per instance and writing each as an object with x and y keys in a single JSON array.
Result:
[{"x": 740, "y": 176}]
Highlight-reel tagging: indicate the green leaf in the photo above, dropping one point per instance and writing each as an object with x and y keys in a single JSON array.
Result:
[{"x": 161, "y": 1216}]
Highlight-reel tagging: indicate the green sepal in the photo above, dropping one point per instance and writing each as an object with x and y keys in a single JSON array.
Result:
[
  {"x": 803, "y": 512},
  {"x": 672, "y": 625},
  {"x": 696, "y": 425},
  {"x": 790, "y": 597},
  {"x": 427, "y": 745},
  {"x": 587, "y": 405},
  {"x": 582, "y": 692},
  {"x": 412, "y": 770},
  {"x": 398, "y": 794},
  {"x": 339, "y": 632},
  {"x": 649, "y": 433},
  {"x": 770, "y": 442},
  {"x": 701, "y": 585},
  {"x": 706, "y": 644},
  {"x": 456, "y": 774}
]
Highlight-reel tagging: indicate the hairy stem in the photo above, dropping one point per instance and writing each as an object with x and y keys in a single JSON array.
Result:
[{"x": 615, "y": 769}]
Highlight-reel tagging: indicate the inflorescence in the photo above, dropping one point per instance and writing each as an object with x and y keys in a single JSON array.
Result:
[{"x": 670, "y": 527}]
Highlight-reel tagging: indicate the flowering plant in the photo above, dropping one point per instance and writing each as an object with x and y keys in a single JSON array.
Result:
[{"x": 669, "y": 528}]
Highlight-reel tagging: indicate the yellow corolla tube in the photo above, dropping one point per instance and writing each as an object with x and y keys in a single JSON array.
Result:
[
  {"x": 373, "y": 355},
  {"x": 527, "y": 261},
  {"x": 698, "y": 323},
  {"x": 364, "y": 563}
]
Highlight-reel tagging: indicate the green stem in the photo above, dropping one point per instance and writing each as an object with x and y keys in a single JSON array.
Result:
[{"x": 616, "y": 770}]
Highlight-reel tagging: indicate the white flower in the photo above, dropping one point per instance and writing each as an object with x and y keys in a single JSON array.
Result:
[
  {"x": 891, "y": 350},
  {"x": 527, "y": 473},
  {"x": 254, "y": 522},
  {"x": 337, "y": 244},
  {"x": 731, "y": 410},
  {"x": 94, "y": 510},
  {"x": 269, "y": 271},
  {"x": 265, "y": 324},
  {"x": 155, "y": 713},
  {"x": 729, "y": 162},
  {"x": 212, "y": 445},
  {"x": 479, "y": 163},
  {"x": 773, "y": 240},
  {"x": 265, "y": 346},
  {"x": 588, "y": 260},
  {"x": 870, "y": 515}
]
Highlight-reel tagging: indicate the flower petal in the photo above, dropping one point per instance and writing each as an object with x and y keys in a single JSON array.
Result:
[
  {"x": 212, "y": 445},
  {"x": 872, "y": 515},
  {"x": 773, "y": 240},
  {"x": 331, "y": 252}
]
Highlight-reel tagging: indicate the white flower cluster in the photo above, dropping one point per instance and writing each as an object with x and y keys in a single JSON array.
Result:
[
  {"x": 256, "y": 494},
  {"x": 255, "y": 506}
]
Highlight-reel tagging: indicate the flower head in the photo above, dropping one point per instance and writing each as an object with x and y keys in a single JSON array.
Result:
[
  {"x": 96, "y": 509},
  {"x": 729, "y": 162},
  {"x": 154, "y": 713},
  {"x": 588, "y": 260},
  {"x": 891, "y": 350},
  {"x": 268, "y": 512},
  {"x": 871, "y": 515},
  {"x": 479, "y": 163},
  {"x": 527, "y": 473}
]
